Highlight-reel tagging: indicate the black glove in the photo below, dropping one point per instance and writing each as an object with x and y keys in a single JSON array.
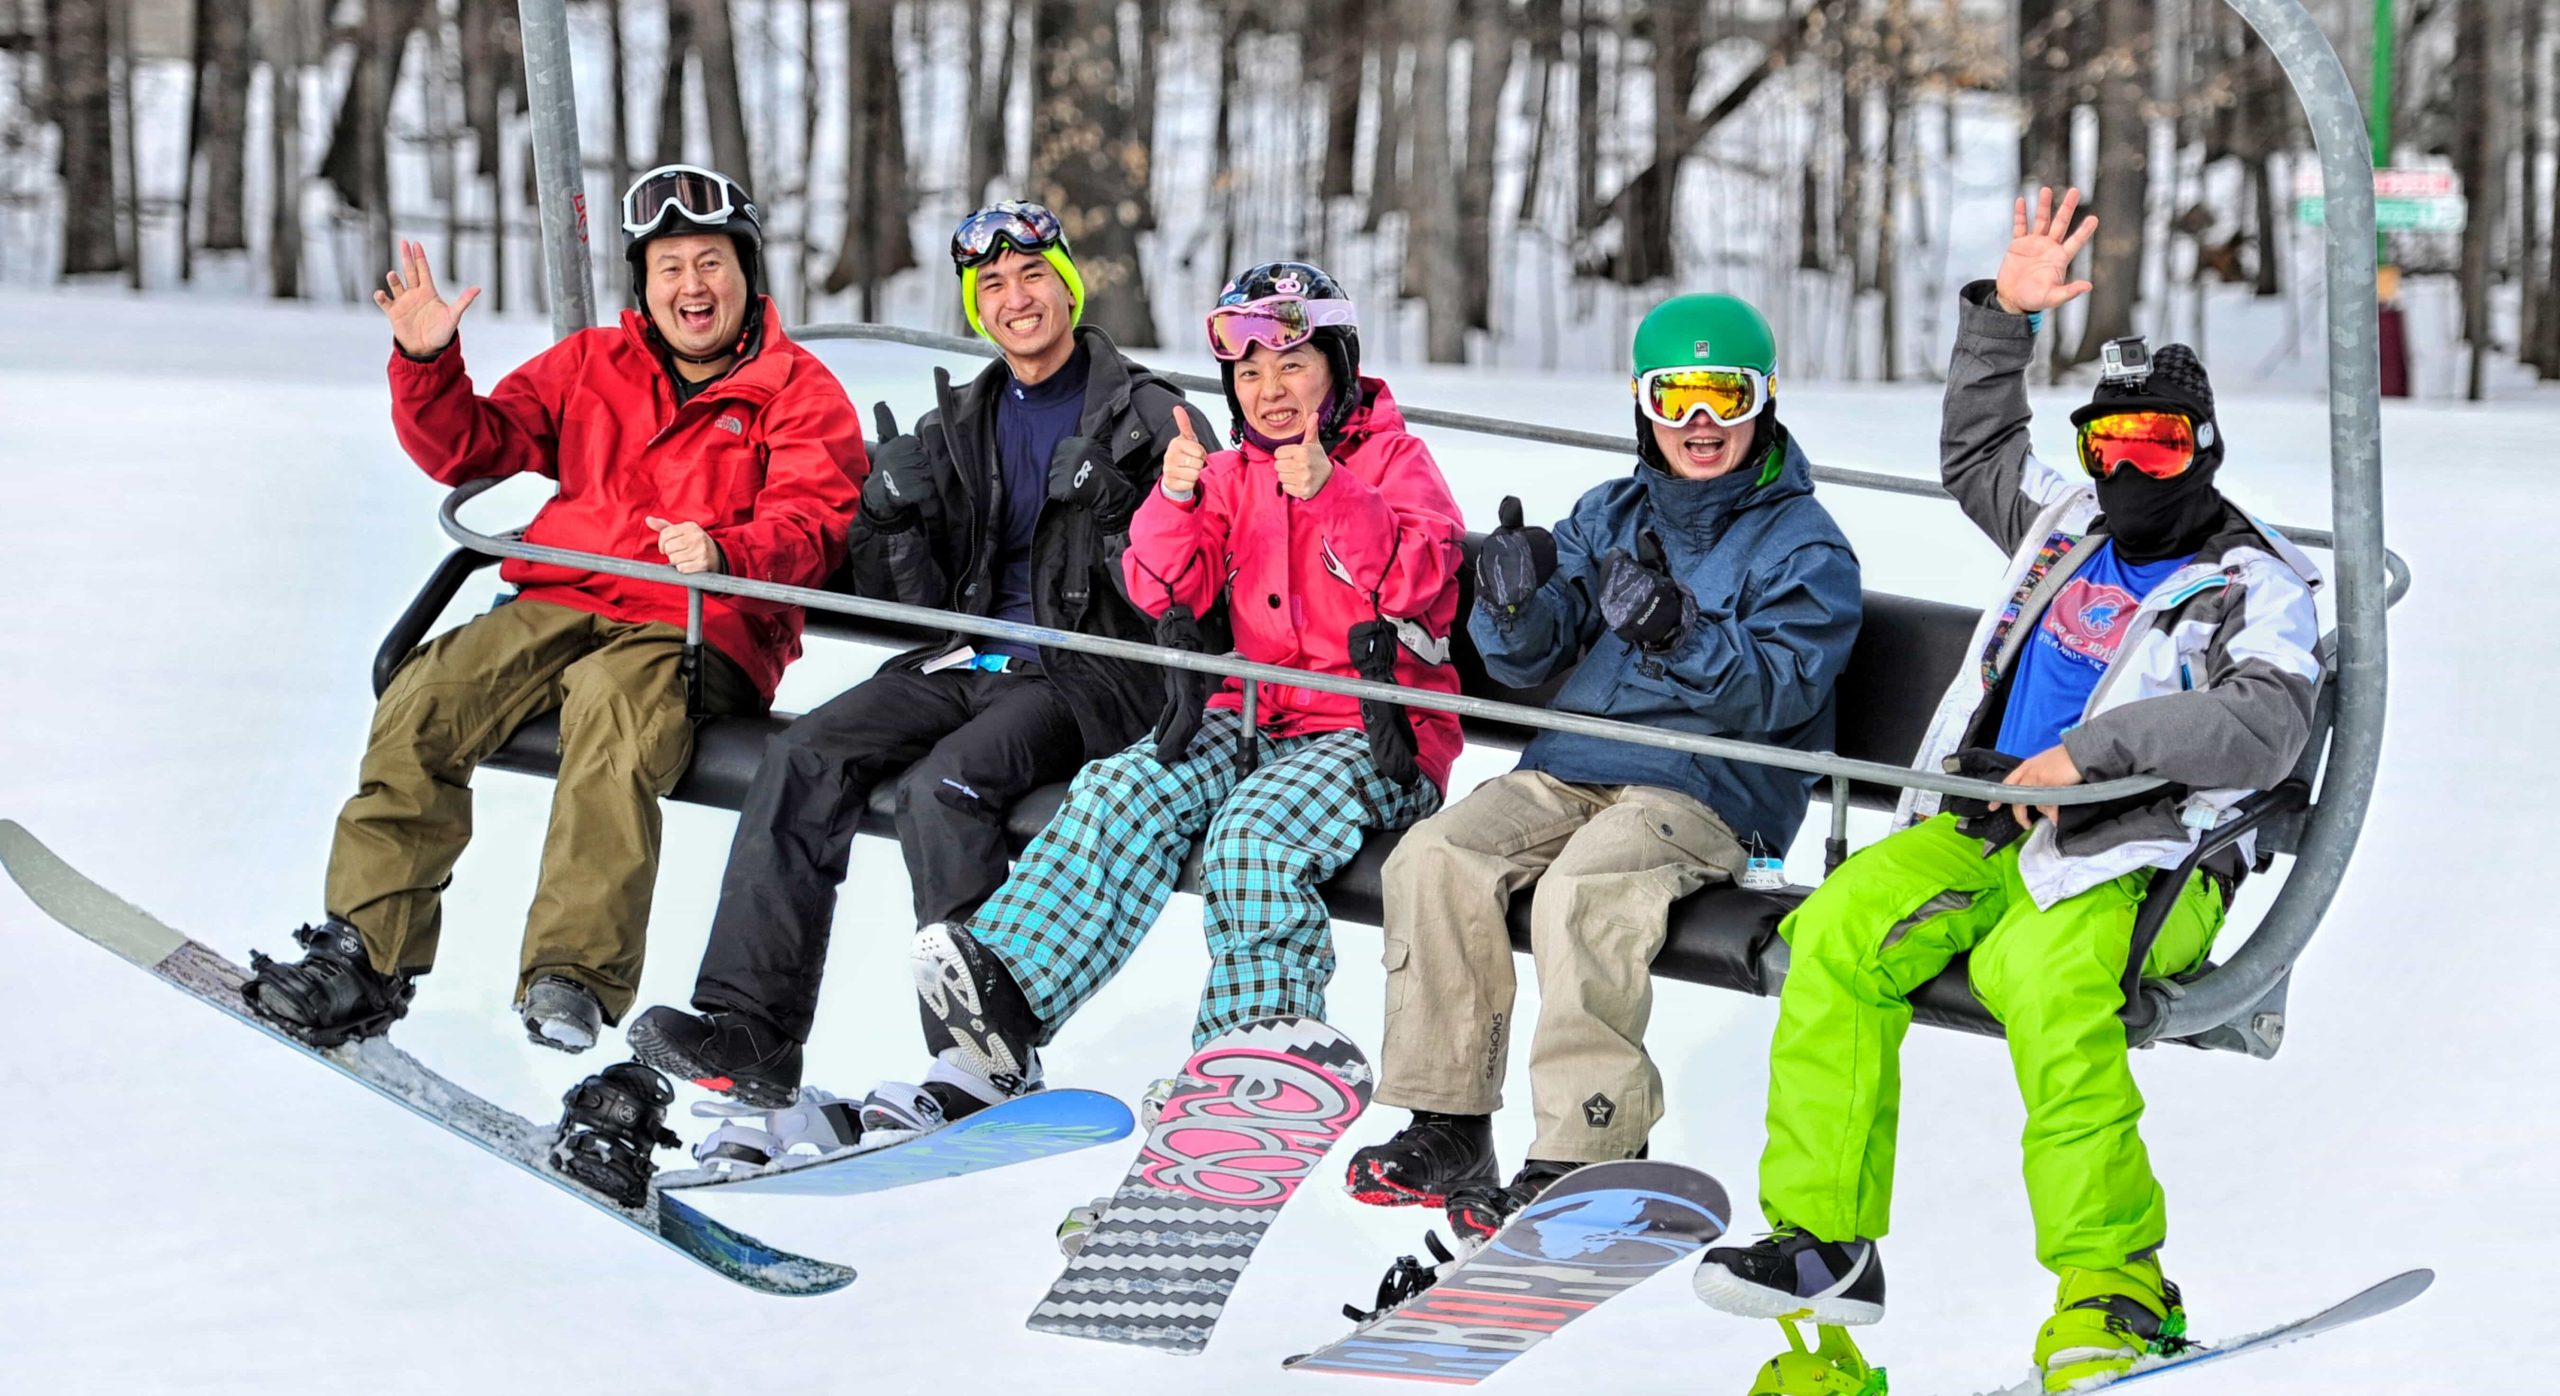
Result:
[
  {"x": 897, "y": 486},
  {"x": 1513, "y": 563},
  {"x": 1081, "y": 474},
  {"x": 1639, "y": 599},
  {"x": 1186, "y": 691},
  {"x": 1975, "y": 819},
  {"x": 1390, "y": 725}
]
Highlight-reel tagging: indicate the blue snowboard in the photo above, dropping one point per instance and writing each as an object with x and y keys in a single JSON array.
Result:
[
  {"x": 97, "y": 914},
  {"x": 1598, "y": 1232},
  {"x": 2380, "y": 1299},
  {"x": 1017, "y": 1131}
]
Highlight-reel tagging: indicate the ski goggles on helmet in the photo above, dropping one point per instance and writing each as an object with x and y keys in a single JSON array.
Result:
[
  {"x": 1023, "y": 227},
  {"x": 2161, "y": 445},
  {"x": 1277, "y": 323},
  {"x": 1729, "y": 396},
  {"x": 698, "y": 195}
]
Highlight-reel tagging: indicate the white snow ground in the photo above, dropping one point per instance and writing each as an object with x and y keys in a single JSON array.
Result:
[{"x": 209, "y": 526}]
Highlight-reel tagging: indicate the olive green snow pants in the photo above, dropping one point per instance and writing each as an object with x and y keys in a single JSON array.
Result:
[
  {"x": 624, "y": 740},
  {"x": 1885, "y": 923},
  {"x": 1608, "y": 862}
]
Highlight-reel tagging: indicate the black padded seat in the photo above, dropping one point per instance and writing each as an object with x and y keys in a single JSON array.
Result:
[{"x": 1907, "y": 652}]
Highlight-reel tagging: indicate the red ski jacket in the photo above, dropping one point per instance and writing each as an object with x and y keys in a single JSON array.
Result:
[
  {"x": 1383, "y": 537},
  {"x": 769, "y": 460}
]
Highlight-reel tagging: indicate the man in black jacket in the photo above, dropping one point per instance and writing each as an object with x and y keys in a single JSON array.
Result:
[{"x": 1011, "y": 499}]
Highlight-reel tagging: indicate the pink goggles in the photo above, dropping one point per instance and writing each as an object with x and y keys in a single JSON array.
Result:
[{"x": 1277, "y": 323}]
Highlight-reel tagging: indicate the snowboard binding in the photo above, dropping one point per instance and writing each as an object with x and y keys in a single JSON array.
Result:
[
  {"x": 1832, "y": 1367},
  {"x": 1405, "y": 1279},
  {"x": 331, "y": 995},
  {"x": 614, "y": 1120},
  {"x": 749, "y": 1140}
]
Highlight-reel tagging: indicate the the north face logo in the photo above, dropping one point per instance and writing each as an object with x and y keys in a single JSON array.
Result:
[
  {"x": 1599, "y": 1110},
  {"x": 731, "y": 425}
]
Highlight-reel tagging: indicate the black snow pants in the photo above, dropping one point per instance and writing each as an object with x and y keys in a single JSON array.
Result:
[{"x": 971, "y": 744}]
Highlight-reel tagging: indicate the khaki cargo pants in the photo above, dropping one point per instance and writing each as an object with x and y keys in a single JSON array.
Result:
[
  {"x": 1608, "y": 862},
  {"x": 624, "y": 740}
]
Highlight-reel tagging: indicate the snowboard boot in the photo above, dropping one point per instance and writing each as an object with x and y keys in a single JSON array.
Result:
[
  {"x": 1790, "y": 1274},
  {"x": 332, "y": 994},
  {"x": 738, "y": 1055},
  {"x": 2106, "y": 1320},
  {"x": 950, "y": 1091},
  {"x": 1834, "y": 1367},
  {"x": 1429, "y": 1160},
  {"x": 750, "y": 1140},
  {"x": 1477, "y": 1212},
  {"x": 973, "y": 1008},
  {"x": 614, "y": 1120},
  {"x": 560, "y": 1013}
]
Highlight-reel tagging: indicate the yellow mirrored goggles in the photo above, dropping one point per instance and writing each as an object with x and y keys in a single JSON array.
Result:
[{"x": 1729, "y": 396}]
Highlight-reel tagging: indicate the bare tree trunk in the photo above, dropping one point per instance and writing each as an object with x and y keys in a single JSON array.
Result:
[
  {"x": 196, "y": 27},
  {"x": 2474, "y": 156},
  {"x": 1142, "y": 97},
  {"x": 2124, "y": 175},
  {"x": 989, "y": 91},
  {"x": 804, "y": 264},
  {"x": 120, "y": 17},
  {"x": 876, "y": 245},
  {"x": 2548, "y": 322},
  {"x": 284, "y": 43},
  {"x": 1388, "y": 162},
  {"x": 82, "y": 90},
  {"x": 359, "y": 158},
  {"x": 1342, "y": 64},
  {"x": 2528, "y": 193},
  {"x": 1431, "y": 256},
  {"x": 618, "y": 137},
  {"x": 1224, "y": 185},
  {"x": 225, "y": 104},
  {"x": 1587, "y": 114},
  {"x": 1086, "y": 160},
  {"x": 670, "y": 135},
  {"x": 1490, "y": 57},
  {"x": 715, "y": 49},
  {"x": 1546, "y": 54},
  {"x": 1896, "y": 40},
  {"x": 2047, "y": 33}
]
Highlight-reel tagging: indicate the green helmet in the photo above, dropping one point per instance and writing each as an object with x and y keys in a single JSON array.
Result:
[
  {"x": 1705, "y": 330},
  {"x": 1709, "y": 330}
]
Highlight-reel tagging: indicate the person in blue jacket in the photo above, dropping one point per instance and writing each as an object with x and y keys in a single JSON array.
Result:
[{"x": 1706, "y": 591}]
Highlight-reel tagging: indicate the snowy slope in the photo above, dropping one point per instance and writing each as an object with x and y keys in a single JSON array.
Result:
[{"x": 210, "y": 526}]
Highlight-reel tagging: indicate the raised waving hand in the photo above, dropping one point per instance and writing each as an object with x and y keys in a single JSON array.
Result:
[
  {"x": 2035, "y": 275},
  {"x": 422, "y": 324}
]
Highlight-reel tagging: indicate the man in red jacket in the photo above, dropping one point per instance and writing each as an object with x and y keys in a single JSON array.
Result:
[{"x": 692, "y": 433}]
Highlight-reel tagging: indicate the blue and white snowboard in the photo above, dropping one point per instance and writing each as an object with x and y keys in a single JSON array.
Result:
[
  {"x": 1596, "y": 1233},
  {"x": 1016, "y": 1131},
  {"x": 2380, "y": 1299},
  {"x": 97, "y": 914}
]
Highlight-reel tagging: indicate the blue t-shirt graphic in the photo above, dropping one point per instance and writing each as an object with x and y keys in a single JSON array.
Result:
[{"x": 2059, "y": 666}]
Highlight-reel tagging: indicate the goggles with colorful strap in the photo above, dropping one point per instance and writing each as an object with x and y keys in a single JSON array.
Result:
[
  {"x": 1277, "y": 323},
  {"x": 698, "y": 195},
  {"x": 1729, "y": 396},
  {"x": 2161, "y": 445}
]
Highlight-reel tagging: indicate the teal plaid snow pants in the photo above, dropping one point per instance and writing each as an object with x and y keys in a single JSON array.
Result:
[{"x": 1089, "y": 887}]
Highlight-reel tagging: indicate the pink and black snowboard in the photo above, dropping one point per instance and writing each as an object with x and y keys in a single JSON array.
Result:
[{"x": 1252, "y": 1114}]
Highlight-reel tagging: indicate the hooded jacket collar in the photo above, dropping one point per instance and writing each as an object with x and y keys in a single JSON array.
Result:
[{"x": 1703, "y": 508}]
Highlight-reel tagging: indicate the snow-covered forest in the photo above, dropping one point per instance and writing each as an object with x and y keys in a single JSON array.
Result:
[{"x": 1807, "y": 153}]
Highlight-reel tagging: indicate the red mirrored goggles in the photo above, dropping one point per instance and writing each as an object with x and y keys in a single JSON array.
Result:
[
  {"x": 2161, "y": 445},
  {"x": 1277, "y": 323}
]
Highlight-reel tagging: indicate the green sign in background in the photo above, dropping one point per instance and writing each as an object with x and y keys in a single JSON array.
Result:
[{"x": 2436, "y": 215}]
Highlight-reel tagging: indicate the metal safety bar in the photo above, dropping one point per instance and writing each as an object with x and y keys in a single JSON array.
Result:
[{"x": 1817, "y": 762}]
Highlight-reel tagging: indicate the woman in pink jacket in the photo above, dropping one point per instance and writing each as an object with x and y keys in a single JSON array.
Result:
[{"x": 1334, "y": 542}]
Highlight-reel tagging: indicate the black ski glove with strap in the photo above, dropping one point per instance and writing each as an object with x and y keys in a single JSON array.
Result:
[
  {"x": 1639, "y": 599},
  {"x": 1513, "y": 563},
  {"x": 1186, "y": 691},
  {"x": 895, "y": 490},
  {"x": 1082, "y": 475},
  {"x": 1390, "y": 725}
]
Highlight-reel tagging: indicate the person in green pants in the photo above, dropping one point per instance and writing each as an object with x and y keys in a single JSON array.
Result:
[{"x": 2147, "y": 627}]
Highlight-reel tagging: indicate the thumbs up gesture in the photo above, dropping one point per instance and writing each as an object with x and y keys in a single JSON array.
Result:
[
  {"x": 1184, "y": 458},
  {"x": 1302, "y": 465}
]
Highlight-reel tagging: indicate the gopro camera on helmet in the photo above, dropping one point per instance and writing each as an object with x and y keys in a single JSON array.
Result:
[{"x": 2126, "y": 361}]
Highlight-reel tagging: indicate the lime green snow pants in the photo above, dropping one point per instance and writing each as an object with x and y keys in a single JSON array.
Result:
[{"x": 1884, "y": 924}]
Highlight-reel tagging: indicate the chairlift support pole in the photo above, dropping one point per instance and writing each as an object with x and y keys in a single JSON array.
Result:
[{"x": 559, "y": 170}]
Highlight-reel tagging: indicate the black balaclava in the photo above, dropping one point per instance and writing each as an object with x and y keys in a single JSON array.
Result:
[{"x": 2155, "y": 520}]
